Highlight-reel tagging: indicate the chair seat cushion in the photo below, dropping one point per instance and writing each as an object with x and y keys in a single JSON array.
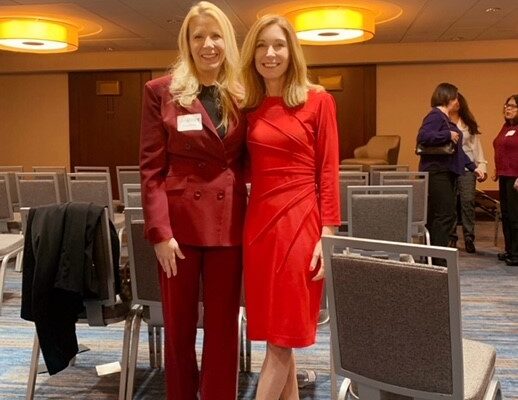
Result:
[
  {"x": 364, "y": 161},
  {"x": 479, "y": 366},
  {"x": 9, "y": 243}
]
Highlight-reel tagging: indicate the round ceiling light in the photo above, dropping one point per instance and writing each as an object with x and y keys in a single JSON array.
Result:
[{"x": 37, "y": 35}]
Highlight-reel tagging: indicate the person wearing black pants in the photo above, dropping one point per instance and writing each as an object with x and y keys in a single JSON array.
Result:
[
  {"x": 506, "y": 171},
  {"x": 437, "y": 130}
]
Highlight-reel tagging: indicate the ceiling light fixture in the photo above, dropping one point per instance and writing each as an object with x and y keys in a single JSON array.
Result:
[
  {"x": 333, "y": 25},
  {"x": 327, "y": 22},
  {"x": 37, "y": 35},
  {"x": 493, "y": 9}
]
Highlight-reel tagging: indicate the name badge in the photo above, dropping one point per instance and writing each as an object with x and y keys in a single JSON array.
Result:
[
  {"x": 510, "y": 133},
  {"x": 189, "y": 122}
]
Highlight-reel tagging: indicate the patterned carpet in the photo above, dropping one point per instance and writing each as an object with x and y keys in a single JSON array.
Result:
[{"x": 489, "y": 310}]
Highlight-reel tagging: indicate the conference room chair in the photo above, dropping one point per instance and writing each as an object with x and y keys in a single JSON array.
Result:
[
  {"x": 11, "y": 171},
  {"x": 37, "y": 188},
  {"x": 375, "y": 170},
  {"x": 346, "y": 179},
  {"x": 126, "y": 174},
  {"x": 61, "y": 175}
]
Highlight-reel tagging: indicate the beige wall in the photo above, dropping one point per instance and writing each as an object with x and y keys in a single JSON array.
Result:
[
  {"x": 34, "y": 120},
  {"x": 403, "y": 99},
  {"x": 34, "y": 113}
]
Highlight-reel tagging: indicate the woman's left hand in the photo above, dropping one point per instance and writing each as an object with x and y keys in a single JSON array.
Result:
[
  {"x": 516, "y": 184},
  {"x": 317, "y": 256}
]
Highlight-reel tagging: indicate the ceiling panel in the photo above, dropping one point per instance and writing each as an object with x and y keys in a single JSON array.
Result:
[{"x": 154, "y": 24}]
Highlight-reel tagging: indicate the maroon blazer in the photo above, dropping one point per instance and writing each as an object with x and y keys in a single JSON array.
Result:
[{"x": 193, "y": 184}]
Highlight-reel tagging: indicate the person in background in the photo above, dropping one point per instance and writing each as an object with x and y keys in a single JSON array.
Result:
[
  {"x": 194, "y": 201},
  {"x": 437, "y": 129},
  {"x": 506, "y": 171},
  {"x": 293, "y": 146},
  {"x": 466, "y": 184}
]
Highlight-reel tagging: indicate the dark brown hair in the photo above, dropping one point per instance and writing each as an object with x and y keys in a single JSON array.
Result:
[
  {"x": 466, "y": 115},
  {"x": 513, "y": 121},
  {"x": 443, "y": 94}
]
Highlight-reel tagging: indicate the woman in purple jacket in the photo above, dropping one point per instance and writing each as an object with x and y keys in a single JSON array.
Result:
[{"x": 437, "y": 129}]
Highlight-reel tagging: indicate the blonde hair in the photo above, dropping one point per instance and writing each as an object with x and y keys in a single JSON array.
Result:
[
  {"x": 296, "y": 85},
  {"x": 185, "y": 85}
]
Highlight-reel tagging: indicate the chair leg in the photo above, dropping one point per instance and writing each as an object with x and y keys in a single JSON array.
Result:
[
  {"x": 125, "y": 354},
  {"x": 344, "y": 388},
  {"x": 33, "y": 372},
  {"x": 3, "y": 267},
  {"x": 158, "y": 346},
  {"x": 19, "y": 262},
  {"x": 152, "y": 348},
  {"x": 133, "y": 353},
  {"x": 334, "y": 394}
]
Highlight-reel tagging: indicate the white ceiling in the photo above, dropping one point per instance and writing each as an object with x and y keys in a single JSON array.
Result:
[{"x": 153, "y": 24}]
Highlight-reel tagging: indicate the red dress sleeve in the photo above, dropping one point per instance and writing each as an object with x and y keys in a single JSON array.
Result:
[
  {"x": 154, "y": 168},
  {"x": 327, "y": 161}
]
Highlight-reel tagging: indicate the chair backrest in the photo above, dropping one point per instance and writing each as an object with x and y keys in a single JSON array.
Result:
[
  {"x": 62, "y": 180},
  {"x": 419, "y": 183},
  {"x": 132, "y": 194},
  {"x": 395, "y": 326},
  {"x": 350, "y": 167},
  {"x": 145, "y": 286},
  {"x": 384, "y": 147},
  {"x": 126, "y": 174},
  {"x": 91, "y": 187},
  {"x": 11, "y": 172},
  {"x": 90, "y": 169},
  {"x": 6, "y": 206},
  {"x": 37, "y": 188},
  {"x": 375, "y": 171},
  {"x": 349, "y": 178},
  {"x": 380, "y": 212}
]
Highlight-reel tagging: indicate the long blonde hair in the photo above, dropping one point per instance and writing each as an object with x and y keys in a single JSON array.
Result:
[
  {"x": 296, "y": 85},
  {"x": 185, "y": 84}
]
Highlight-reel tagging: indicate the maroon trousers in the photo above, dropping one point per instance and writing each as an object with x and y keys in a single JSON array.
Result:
[{"x": 220, "y": 271}]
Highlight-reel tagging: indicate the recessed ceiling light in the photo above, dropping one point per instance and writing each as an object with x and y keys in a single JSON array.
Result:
[
  {"x": 493, "y": 9},
  {"x": 457, "y": 38},
  {"x": 109, "y": 49}
]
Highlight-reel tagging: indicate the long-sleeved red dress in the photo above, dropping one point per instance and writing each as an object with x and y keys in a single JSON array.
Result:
[{"x": 294, "y": 176}]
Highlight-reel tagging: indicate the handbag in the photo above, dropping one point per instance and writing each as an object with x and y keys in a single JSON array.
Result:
[{"x": 444, "y": 149}]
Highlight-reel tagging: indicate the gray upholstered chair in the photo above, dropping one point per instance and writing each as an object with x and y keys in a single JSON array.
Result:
[
  {"x": 37, "y": 189},
  {"x": 106, "y": 309},
  {"x": 9, "y": 220},
  {"x": 94, "y": 187},
  {"x": 132, "y": 194},
  {"x": 396, "y": 326},
  {"x": 380, "y": 212},
  {"x": 127, "y": 174},
  {"x": 61, "y": 175},
  {"x": 419, "y": 183},
  {"x": 380, "y": 150},
  {"x": 90, "y": 169},
  {"x": 11, "y": 172},
  {"x": 350, "y": 167},
  {"x": 349, "y": 178},
  {"x": 375, "y": 170},
  {"x": 11, "y": 246}
]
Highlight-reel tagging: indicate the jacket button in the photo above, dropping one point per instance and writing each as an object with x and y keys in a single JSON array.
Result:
[
  {"x": 223, "y": 167},
  {"x": 220, "y": 195},
  {"x": 201, "y": 165},
  {"x": 187, "y": 146},
  {"x": 197, "y": 195}
]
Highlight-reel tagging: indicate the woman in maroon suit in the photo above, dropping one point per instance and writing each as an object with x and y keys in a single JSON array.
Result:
[{"x": 194, "y": 199}]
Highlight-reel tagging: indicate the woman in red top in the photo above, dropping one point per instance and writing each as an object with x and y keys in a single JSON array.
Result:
[
  {"x": 293, "y": 145},
  {"x": 506, "y": 164},
  {"x": 194, "y": 199}
]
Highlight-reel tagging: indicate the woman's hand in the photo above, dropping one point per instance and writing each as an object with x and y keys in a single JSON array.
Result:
[
  {"x": 516, "y": 184},
  {"x": 318, "y": 256},
  {"x": 495, "y": 176},
  {"x": 166, "y": 253},
  {"x": 454, "y": 136},
  {"x": 480, "y": 175}
]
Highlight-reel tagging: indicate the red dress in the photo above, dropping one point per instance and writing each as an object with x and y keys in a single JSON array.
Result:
[{"x": 294, "y": 176}]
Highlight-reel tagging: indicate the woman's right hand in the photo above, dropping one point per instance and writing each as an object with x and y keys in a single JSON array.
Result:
[
  {"x": 454, "y": 136},
  {"x": 166, "y": 253}
]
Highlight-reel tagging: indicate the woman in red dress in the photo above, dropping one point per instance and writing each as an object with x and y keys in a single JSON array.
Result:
[{"x": 293, "y": 145}]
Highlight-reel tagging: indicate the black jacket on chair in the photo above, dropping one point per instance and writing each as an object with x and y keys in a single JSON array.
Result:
[{"x": 58, "y": 274}]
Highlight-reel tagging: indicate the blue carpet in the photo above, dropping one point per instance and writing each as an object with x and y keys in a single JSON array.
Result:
[{"x": 489, "y": 292}]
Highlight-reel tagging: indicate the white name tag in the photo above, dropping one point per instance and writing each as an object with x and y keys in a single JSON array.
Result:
[
  {"x": 510, "y": 133},
  {"x": 189, "y": 122}
]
